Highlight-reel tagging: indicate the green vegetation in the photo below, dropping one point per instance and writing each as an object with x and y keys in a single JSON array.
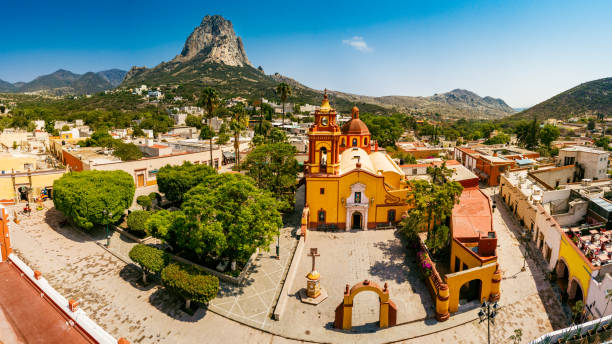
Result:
[
  {"x": 144, "y": 201},
  {"x": 585, "y": 99},
  {"x": 225, "y": 216},
  {"x": 136, "y": 221},
  {"x": 190, "y": 283},
  {"x": 84, "y": 196},
  {"x": 386, "y": 130},
  {"x": 124, "y": 151},
  {"x": 175, "y": 181},
  {"x": 283, "y": 91},
  {"x": 209, "y": 100},
  {"x": 274, "y": 168},
  {"x": 149, "y": 259},
  {"x": 498, "y": 139},
  {"x": 432, "y": 204},
  {"x": 239, "y": 122}
]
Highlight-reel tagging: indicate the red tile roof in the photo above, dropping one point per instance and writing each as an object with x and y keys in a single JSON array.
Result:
[{"x": 471, "y": 218}]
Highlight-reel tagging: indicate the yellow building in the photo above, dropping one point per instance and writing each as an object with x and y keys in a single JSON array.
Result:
[
  {"x": 24, "y": 178},
  {"x": 350, "y": 185}
]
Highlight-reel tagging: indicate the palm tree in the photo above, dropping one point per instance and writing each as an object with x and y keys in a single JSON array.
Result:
[
  {"x": 239, "y": 122},
  {"x": 210, "y": 101},
  {"x": 608, "y": 297},
  {"x": 284, "y": 91}
]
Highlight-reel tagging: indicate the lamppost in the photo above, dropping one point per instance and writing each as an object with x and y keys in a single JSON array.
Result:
[
  {"x": 278, "y": 245},
  {"x": 108, "y": 218},
  {"x": 488, "y": 312}
]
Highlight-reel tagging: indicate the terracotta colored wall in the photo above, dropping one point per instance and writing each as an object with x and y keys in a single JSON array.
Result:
[{"x": 71, "y": 161}]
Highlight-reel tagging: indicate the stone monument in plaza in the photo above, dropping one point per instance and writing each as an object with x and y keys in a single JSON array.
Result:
[{"x": 314, "y": 293}]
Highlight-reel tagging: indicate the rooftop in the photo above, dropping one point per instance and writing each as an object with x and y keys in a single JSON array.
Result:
[
  {"x": 472, "y": 215},
  {"x": 26, "y": 317},
  {"x": 584, "y": 149}
]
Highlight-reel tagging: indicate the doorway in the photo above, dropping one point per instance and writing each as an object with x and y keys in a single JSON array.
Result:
[{"x": 357, "y": 220}]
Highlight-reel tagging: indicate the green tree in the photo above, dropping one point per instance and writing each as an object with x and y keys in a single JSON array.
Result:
[
  {"x": 84, "y": 196},
  {"x": 206, "y": 133},
  {"x": 277, "y": 136},
  {"x": 517, "y": 336},
  {"x": 238, "y": 124},
  {"x": 591, "y": 124},
  {"x": 527, "y": 133},
  {"x": 577, "y": 312},
  {"x": 224, "y": 216},
  {"x": 210, "y": 101},
  {"x": 149, "y": 259},
  {"x": 137, "y": 132},
  {"x": 223, "y": 136},
  {"x": 193, "y": 121},
  {"x": 190, "y": 283},
  {"x": 127, "y": 151},
  {"x": 500, "y": 138},
  {"x": 136, "y": 221},
  {"x": 283, "y": 90},
  {"x": 144, "y": 201},
  {"x": 548, "y": 134},
  {"x": 65, "y": 127},
  {"x": 385, "y": 130},
  {"x": 175, "y": 181},
  {"x": 274, "y": 168}
]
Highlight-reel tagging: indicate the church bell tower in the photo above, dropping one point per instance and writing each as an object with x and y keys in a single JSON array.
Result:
[{"x": 324, "y": 136}]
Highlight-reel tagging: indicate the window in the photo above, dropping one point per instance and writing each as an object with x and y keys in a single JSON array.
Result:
[
  {"x": 322, "y": 191},
  {"x": 343, "y": 143},
  {"x": 391, "y": 216},
  {"x": 414, "y": 171},
  {"x": 357, "y": 197},
  {"x": 217, "y": 163},
  {"x": 354, "y": 142},
  {"x": 365, "y": 141},
  {"x": 321, "y": 215}
]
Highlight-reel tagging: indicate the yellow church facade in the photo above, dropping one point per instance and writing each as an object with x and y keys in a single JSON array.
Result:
[{"x": 349, "y": 184}]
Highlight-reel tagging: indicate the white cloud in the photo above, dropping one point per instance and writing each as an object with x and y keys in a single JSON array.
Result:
[{"x": 358, "y": 43}]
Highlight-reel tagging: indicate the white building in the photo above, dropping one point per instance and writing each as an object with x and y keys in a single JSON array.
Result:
[{"x": 591, "y": 161}]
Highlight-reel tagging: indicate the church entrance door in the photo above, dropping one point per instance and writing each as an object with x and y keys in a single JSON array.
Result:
[{"x": 356, "y": 220}]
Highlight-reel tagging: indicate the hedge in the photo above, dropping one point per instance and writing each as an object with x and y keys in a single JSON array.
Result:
[
  {"x": 190, "y": 283},
  {"x": 136, "y": 221}
]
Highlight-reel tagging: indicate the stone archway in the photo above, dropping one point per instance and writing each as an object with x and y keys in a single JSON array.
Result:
[{"x": 344, "y": 311}]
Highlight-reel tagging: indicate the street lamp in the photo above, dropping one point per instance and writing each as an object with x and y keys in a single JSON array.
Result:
[
  {"x": 488, "y": 312},
  {"x": 108, "y": 218},
  {"x": 278, "y": 245}
]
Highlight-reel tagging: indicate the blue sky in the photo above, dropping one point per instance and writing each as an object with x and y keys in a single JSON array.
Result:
[{"x": 521, "y": 51}]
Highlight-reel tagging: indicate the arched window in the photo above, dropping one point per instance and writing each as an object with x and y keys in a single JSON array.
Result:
[
  {"x": 323, "y": 157},
  {"x": 354, "y": 142},
  {"x": 365, "y": 141},
  {"x": 321, "y": 216}
]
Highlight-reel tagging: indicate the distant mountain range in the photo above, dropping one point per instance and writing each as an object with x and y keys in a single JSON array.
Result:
[
  {"x": 64, "y": 82},
  {"x": 214, "y": 56},
  {"x": 588, "y": 98}
]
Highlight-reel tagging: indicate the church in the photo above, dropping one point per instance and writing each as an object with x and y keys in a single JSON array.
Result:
[{"x": 349, "y": 183}]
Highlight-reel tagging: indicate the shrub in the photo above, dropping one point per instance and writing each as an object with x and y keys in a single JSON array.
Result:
[
  {"x": 84, "y": 196},
  {"x": 190, "y": 283},
  {"x": 149, "y": 258},
  {"x": 154, "y": 196},
  {"x": 136, "y": 221},
  {"x": 144, "y": 201}
]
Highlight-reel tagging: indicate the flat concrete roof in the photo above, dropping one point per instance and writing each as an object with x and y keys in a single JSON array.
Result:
[{"x": 472, "y": 216}]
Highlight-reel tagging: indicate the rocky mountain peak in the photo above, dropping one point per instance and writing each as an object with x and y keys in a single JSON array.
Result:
[{"x": 214, "y": 40}]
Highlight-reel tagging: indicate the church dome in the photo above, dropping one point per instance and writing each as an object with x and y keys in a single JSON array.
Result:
[{"x": 355, "y": 126}]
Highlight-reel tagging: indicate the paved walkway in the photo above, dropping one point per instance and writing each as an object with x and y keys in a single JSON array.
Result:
[{"x": 109, "y": 290}]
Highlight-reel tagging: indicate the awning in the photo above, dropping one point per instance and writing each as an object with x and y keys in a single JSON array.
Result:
[{"x": 524, "y": 162}]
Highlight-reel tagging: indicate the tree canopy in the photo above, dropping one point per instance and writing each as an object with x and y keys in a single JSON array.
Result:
[
  {"x": 274, "y": 168},
  {"x": 224, "y": 216},
  {"x": 84, "y": 196},
  {"x": 175, "y": 181}
]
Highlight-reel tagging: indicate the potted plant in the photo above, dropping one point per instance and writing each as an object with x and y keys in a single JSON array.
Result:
[{"x": 593, "y": 334}]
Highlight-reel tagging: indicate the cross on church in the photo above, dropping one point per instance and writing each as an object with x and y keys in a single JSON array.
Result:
[{"x": 314, "y": 254}]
